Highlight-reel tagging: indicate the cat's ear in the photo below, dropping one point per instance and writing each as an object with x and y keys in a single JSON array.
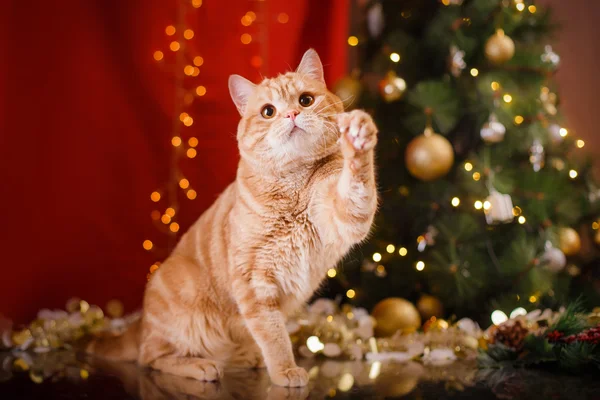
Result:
[
  {"x": 311, "y": 66},
  {"x": 240, "y": 89}
]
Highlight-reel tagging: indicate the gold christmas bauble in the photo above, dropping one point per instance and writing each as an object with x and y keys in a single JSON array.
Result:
[
  {"x": 430, "y": 306},
  {"x": 429, "y": 156},
  {"x": 499, "y": 48},
  {"x": 348, "y": 89},
  {"x": 569, "y": 241},
  {"x": 393, "y": 314},
  {"x": 392, "y": 87}
]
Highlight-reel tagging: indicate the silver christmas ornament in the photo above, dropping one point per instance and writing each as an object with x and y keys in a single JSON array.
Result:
[
  {"x": 498, "y": 208},
  {"x": 492, "y": 131},
  {"x": 553, "y": 258},
  {"x": 537, "y": 155},
  {"x": 457, "y": 62}
]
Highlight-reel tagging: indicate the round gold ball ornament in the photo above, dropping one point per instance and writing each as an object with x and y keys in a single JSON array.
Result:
[
  {"x": 392, "y": 87},
  {"x": 348, "y": 89},
  {"x": 430, "y": 306},
  {"x": 429, "y": 156},
  {"x": 499, "y": 48},
  {"x": 393, "y": 314},
  {"x": 569, "y": 241}
]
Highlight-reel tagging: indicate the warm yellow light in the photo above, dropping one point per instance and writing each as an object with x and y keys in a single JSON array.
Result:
[
  {"x": 188, "y": 121},
  {"x": 390, "y": 248},
  {"x": 174, "y": 46},
  {"x": 176, "y": 141},
  {"x": 487, "y": 205},
  {"x": 518, "y": 120},
  {"x": 158, "y": 55},
  {"x": 532, "y": 9},
  {"x": 283, "y": 18},
  {"x": 191, "y": 194},
  {"x": 507, "y": 98},
  {"x": 474, "y": 72},
  {"x": 314, "y": 344},
  {"x": 446, "y": 2},
  {"x": 188, "y": 70},
  {"x": 331, "y": 272},
  {"x": 188, "y": 34},
  {"x": 595, "y": 225},
  {"x": 455, "y": 201},
  {"x": 170, "y": 30},
  {"x": 495, "y": 85},
  {"x": 191, "y": 153},
  {"x": 517, "y": 211},
  {"x": 183, "y": 116},
  {"x": 353, "y": 41},
  {"x": 170, "y": 212},
  {"x": 395, "y": 57},
  {"x": 246, "y": 20},
  {"x": 165, "y": 219},
  {"x": 476, "y": 176},
  {"x": 520, "y": 6},
  {"x": 154, "y": 267},
  {"x": 580, "y": 143},
  {"x": 200, "y": 90},
  {"x": 193, "y": 142},
  {"x": 522, "y": 220},
  {"x": 197, "y": 3},
  {"x": 155, "y": 196},
  {"x": 380, "y": 269},
  {"x": 420, "y": 266},
  {"x": 478, "y": 205},
  {"x": 251, "y": 15},
  {"x": 468, "y": 166},
  {"x": 246, "y": 38},
  {"x": 174, "y": 227},
  {"x": 532, "y": 299},
  {"x": 573, "y": 174},
  {"x": 563, "y": 132},
  {"x": 350, "y": 293},
  {"x": 329, "y": 318},
  {"x": 147, "y": 244},
  {"x": 376, "y": 257},
  {"x": 403, "y": 251},
  {"x": 198, "y": 61},
  {"x": 184, "y": 183}
]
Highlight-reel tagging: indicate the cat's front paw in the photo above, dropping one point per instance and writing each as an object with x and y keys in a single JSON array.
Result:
[
  {"x": 291, "y": 377},
  {"x": 358, "y": 132}
]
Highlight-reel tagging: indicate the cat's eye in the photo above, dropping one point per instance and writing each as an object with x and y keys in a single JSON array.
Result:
[
  {"x": 268, "y": 111},
  {"x": 306, "y": 100}
]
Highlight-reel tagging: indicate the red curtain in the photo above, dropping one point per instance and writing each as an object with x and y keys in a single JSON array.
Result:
[{"x": 85, "y": 127}]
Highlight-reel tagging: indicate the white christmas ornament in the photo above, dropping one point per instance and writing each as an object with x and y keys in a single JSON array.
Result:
[
  {"x": 500, "y": 209},
  {"x": 550, "y": 56},
  {"x": 492, "y": 131},
  {"x": 375, "y": 23},
  {"x": 457, "y": 62},
  {"x": 537, "y": 155},
  {"x": 553, "y": 258}
]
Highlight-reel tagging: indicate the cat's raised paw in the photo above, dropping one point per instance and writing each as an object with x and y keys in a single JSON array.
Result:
[
  {"x": 358, "y": 132},
  {"x": 291, "y": 377}
]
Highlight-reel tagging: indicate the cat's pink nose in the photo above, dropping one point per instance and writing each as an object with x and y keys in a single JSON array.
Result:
[{"x": 291, "y": 114}]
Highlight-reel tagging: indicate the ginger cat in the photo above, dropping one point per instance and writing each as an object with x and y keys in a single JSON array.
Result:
[{"x": 305, "y": 193}]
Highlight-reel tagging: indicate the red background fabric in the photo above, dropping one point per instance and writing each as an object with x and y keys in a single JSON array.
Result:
[{"x": 85, "y": 129}]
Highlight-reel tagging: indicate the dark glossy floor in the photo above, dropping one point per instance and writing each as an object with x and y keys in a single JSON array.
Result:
[{"x": 65, "y": 377}]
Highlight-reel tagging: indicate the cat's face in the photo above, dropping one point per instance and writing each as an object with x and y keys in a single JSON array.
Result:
[{"x": 287, "y": 118}]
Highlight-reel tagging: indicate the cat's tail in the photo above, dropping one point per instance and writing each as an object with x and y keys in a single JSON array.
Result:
[{"x": 124, "y": 347}]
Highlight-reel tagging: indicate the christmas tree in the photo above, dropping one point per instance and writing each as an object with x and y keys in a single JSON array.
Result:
[{"x": 485, "y": 194}]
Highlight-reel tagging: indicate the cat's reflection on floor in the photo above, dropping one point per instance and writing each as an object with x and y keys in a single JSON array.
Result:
[{"x": 236, "y": 384}]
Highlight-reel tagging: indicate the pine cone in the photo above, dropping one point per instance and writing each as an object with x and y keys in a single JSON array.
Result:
[{"x": 511, "y": 334}]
